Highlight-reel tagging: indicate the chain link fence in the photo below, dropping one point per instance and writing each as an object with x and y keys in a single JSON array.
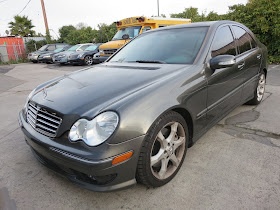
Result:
[{"x": 12, "y": 52}]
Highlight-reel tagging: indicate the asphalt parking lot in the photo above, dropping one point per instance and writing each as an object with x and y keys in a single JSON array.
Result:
[{"x": 235, "y": 165}]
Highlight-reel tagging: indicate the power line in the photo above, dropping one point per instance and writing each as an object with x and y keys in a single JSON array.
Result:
[
  {"x": 18, "y": 13},
  {"x": 24, "y": 7}
]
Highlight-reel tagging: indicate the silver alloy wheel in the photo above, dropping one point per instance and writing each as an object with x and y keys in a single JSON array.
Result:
[
  {"x": 261, "y": 87},
  {"x": 88, "y": 60},
  {"x": 168, "y": 150}
]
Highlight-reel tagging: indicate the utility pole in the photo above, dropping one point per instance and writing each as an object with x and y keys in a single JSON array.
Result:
[
  {"x": 158, "y": 7},
  {"x": 45, "y": 18}
]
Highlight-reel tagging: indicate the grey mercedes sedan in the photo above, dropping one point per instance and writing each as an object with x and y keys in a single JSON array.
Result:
[{"x": 132, "y": 118}]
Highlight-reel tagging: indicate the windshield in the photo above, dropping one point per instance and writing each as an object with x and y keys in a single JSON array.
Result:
[
  {"x": 93, "y": 47},
  {"x": 131, "y": 31},
  {"x": 174, "y": 46},
  {"x": 73, "y": 48},
  {"x": 58, "y": 49},
  {"x": 43, "y": 48}
]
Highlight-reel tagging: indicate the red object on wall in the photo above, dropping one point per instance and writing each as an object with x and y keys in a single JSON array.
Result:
[{"x": 14, "y": 45}]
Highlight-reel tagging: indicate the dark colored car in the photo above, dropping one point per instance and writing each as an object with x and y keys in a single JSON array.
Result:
[
  {"x": 48, "y": 57},
  {"x": 84, "y": 57},
  {"x": 48, "y": 48},
  {"x": 62, "y": 57},
  {"x": 132, "y": 118}
]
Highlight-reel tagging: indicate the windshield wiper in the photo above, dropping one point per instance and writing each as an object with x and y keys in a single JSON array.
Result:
[{"x": 149, "y": 61}]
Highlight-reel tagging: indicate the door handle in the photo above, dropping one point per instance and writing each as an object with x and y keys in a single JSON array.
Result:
[
  {"x": 241, "y": 66},
  {"x": 259, "y": 56}
]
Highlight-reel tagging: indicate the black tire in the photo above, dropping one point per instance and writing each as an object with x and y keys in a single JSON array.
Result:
[
  {"x": 259, "y": 91},
  {"x": 88, "y": 60},
  {"x": 146, "y": 173},
  {"x": 34, "y": 61}
]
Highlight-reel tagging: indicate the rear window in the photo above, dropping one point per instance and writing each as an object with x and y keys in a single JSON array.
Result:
[
  {"x": 173, "y": 46},
  {"x": 243, "y": 39}
]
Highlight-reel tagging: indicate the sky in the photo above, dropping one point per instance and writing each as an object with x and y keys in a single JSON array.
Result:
[{"x": 93, "y": 12}]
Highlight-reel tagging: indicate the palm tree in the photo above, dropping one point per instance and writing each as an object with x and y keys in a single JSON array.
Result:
[{"x": 21, "y": 26}]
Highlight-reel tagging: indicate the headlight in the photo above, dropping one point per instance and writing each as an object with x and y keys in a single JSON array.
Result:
[
  {"x": 35, "y": 54},
  {"x": 96, "y": 131},
  {"x": 97, "y": 55},
  {"x": 101, "y": 51},
  {"x": 80, "y": 55},
  {"x": 61, "y": 56}
]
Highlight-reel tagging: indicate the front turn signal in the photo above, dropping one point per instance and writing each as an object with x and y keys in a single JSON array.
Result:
[{"x": 122, "y": 158}]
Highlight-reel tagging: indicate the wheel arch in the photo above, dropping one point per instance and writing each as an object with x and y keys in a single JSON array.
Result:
[
  {"x": 265, "y": 72},
  {"x": 188, "y": 118}
]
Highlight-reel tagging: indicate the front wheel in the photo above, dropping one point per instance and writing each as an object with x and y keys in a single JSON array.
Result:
[
  {"x": 259, "y": 92},
  {"x": 163, "y": 150},
  {"x": 88, "y": 60}
]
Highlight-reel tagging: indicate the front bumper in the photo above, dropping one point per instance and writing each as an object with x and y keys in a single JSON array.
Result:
[
  {"x": 60, "y": 60},
  {"x": 76, "y": 60},
  {"x": 100, "y": 59},
  {"x": 33, "y": 57},
  {"x": 76, "y": 165},
  {"x": 45, "y": 59}
]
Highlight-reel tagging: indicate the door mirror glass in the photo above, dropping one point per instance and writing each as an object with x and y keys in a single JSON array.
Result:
[{"x": 222, "y": 61}]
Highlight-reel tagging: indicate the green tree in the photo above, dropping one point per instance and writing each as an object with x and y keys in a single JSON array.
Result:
[
  {"x": 105, "y": 32},
  {"x": 262, "y": 17},
  {"x": 64, "y": 31},
  {"x": 191, "y": 13},
  {"x": 21, "y": 26}
]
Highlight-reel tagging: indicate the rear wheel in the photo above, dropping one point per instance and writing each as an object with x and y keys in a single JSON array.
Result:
[
  {"x": 259, "y": 92},
  {"x": 163, "y": 150},
  {"x": 34, "y": 61},
  {"x": 88, "y": 60}
]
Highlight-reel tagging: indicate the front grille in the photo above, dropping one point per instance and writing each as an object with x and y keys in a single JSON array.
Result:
[
  {"x": 109, "y": 51},
  {"x": 43, "y": 121}
]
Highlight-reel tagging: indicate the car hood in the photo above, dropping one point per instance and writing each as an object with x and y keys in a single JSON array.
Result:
[
  {"x": 42, "y": 52},
  {"x": 83, "y": 52},
  {"x": 67, "y": 53},
  {"x": 98, "y": 87}
]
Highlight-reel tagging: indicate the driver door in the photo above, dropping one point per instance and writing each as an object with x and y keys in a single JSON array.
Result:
[{"x": 225, "y": 84}]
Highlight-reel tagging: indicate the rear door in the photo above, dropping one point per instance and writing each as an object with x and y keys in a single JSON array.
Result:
[
  {"x": 250, "y": 53},
  {"x": 224, "y": 85}
]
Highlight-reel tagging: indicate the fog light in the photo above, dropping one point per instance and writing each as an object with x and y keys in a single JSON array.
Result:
[{"x": 122, "y": 158}]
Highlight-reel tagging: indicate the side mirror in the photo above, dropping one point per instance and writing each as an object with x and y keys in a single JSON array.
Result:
[
  {"x": 222, "y": 61},
  {"x": 125, "y": 36}
]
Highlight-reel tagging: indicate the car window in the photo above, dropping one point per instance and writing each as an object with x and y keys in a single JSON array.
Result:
[
  {"x": 51, "y": 48},
  {"x": 243, "y": 39},
  {"x": 59, "y": 46},
  {"x": 223, "y": 43},
  {"x": 131, "y": 31},
  {"x": 176, "y": 46},
  {"x": 253, "y": 42},
  {"x": 73, "y": 48},
  {"x": 84, "y": 47},
  {"x": 92, "y": 47}
]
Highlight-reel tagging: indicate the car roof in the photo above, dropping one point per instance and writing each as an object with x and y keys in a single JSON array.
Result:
[{"x": 197, "y": 24}]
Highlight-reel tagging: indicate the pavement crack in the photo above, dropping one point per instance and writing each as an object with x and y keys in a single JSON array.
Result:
[{"x": 266, "y": 138}]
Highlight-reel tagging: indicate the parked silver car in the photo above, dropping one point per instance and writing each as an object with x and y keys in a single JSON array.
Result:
[{"x": 62, "y": 57}]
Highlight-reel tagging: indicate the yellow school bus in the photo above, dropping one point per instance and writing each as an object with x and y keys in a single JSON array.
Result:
[{"x": 132, "y": 27}]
